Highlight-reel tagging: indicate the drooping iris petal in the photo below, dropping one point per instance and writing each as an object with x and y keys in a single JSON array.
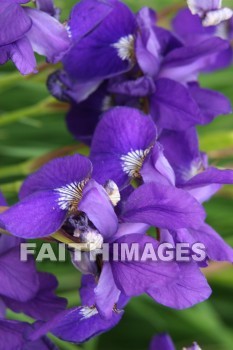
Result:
[
  {"x": 96, "y": 204},
  {"x": 86, "y": 15},
  {"x": 208, "y": 182},
  {"x": 18, "y": 279},
  {"x": 106, "y": 292},
  {"x": 211, "y": 103},
  {"x": 163, "y": 206},
  {"x": 172, "y": 106},
  {"x": 216, "y": 248},
  {"x": 37, "y": 215},
  {"x": 77, "y": 325},
  {"x": 21, "y": 53},
  {"x": 190, "y": 288},
  {"x": 106, "y": 51},
  {"x": 184, "y": 64},
  {"x": 120, "y": 141},
  {"x": 135, "y": 275},
  {"x": 57, "y": 173},
  {"x": 45, "y": 303},
  {"x": 14, "y": 22},
  {"x": 47, "y": 36},
  {"x": 162, "y": 342}
]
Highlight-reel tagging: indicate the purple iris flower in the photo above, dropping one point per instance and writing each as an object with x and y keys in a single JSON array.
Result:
[
  {"x": 161, "y": 71},
  {"x": 125, "y": 147},
  {"x": 66, "y": 197},
  {"x": 25, "y": 30},
  {"x": 102, "y": 34},
  {"x": 164, "y": 342},
  {"x": 210, "y": 11}
]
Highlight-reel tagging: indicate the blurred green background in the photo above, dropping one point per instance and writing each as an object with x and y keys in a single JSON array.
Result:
[{"x": 28, "y": 131}]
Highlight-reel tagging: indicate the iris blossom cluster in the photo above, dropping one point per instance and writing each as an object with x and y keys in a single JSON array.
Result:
[
  {"x": 25, "y": 30},
  {"x": 136, "y": 101}
]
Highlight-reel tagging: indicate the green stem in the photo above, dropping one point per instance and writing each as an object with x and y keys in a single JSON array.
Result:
[{"x": 39, "y": 109}]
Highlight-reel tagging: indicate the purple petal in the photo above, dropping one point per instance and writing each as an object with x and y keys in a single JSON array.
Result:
[
  {"x": 156, "y": 168},
  {"x": 77, "y": 325},
  {"x": 189, "y": 28},
  {"x": 57, "y": 173},
  {"x": 172, "y": 106},
  {"x": 208, "y": 182},
  {"x": 37, "y": 215},
  {"x": 163, "y": 206},
  {"x": 96, "y": 54},
  {"x": 162, "y": 342},
  {"x": 47, "y": 36},
  {"x": 106, "y": 292},
  {"x": 135, "y": 276},
  {"x": 190, "y": 288},
  {"x": 216, "y": 248},
  {"x": 129, "y": 229},
  {"x": 86, "y": 291},
  {"x": 88, "y": 296},
  {"x": 180, "y": 149},
  {"x": 183, "y": 64},
  {"x": 14, "y": 22},
  {"x": 148, "y": 48},
  {"x": 19, "y": 280},
  {"x": 88, "y": 14},
  {"x": 96, "y": 204},
  {"x": 211, "y": 103},
  {"x": 8, "y": 242},
  {"x": 21, "y": 53},
  {"x": 120, "y": 131},
  {"x": 45, "y": 304}
]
